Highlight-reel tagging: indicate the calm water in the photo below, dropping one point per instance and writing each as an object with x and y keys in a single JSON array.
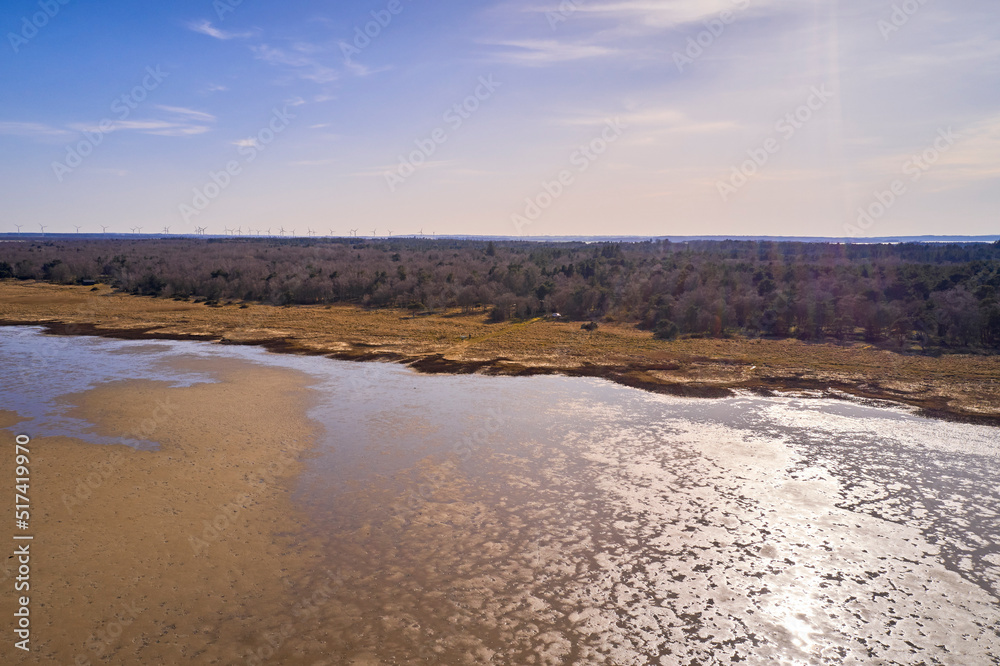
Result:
[{"x": 554, "y": 520}]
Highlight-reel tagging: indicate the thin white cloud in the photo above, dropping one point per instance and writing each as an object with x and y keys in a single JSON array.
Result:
[
  {"x": 648, "y": 14},
  {"x": 183, "y": 122},
  {"x": 35, "y": 130},
  {"x": 191, "y": 123},
  {"x": 246, "y": 143},
  {"x": 308, "y": 47},
  {"x": 356, "y": 68},
  {"x": 173, "y": 129},
  {"x": 205, "y": 27},
  {"x": 304, "y": 66},
  {"x": 661, "y": 15},
  {"x": 538, "y": 52},
  {"x": 154, "y": 127},
  {"x": 191, "y": 113}
]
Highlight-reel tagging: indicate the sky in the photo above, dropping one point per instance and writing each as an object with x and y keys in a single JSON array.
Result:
[{"x": 501, "y": 117}]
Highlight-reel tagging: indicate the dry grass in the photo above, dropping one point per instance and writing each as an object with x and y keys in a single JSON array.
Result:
[{"x": 956, "y": 384}]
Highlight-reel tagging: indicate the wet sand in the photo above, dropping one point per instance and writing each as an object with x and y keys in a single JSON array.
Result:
[
  {"x": 564, "y": 521},
  {"x": 9, "y": 418},
  {"x": 184, "y": 554},
  {"x": 618, "y": 550}
]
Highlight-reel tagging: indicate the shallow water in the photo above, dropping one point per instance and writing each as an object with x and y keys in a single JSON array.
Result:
[{"x": 553, "y": 520}]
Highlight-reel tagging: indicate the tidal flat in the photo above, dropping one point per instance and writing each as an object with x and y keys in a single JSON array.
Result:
[{"x": 222, "y": 504}]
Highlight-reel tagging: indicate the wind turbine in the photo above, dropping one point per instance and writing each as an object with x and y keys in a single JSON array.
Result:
[
  {"x": 43, "y": 227},
  {"x": 389, "y": 232},
  {"x": 310, "y": 232},
  {"x": 166, "y": 230},
  {"x": 77, "y": 228},
  {"x": 18, "y": 227},
  {"x": 104, "y": 229},
  {"x": 200, "y": 230},
  {"x": 227, "y": 230},
  {"x": 354, "y": 232},
  {"x": 282, "y": 232},
  {"x": 331, "y": 232},
  {"x": 421, "y": 231},
  {"x": 373, "y": 232},
  {"x": 269, "y": 231},
  {"x": 293, "y": 232},
  {"x": 139, "y": 229}
]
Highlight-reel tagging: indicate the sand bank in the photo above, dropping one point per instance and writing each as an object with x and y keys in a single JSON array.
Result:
[{"x": 186, "y": 553}]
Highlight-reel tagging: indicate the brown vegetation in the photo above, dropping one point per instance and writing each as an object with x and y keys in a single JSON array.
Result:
[
  {"x": 928, "y": 296},
  {"x": 957, "y": 385}
]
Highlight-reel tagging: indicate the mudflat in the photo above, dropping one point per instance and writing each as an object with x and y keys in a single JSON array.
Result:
[
  {"x": 173, "y": 555},
  {"x": 963, "y": 386}
]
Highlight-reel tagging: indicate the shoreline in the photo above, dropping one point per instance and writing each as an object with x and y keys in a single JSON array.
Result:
[{"x": 962, "y": 388}]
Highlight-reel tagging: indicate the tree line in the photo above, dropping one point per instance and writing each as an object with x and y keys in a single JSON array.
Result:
[{"x": 935, "y": 294}]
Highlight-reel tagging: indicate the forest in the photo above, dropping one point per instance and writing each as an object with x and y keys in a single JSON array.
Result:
[{"x": 934, "y": 295}]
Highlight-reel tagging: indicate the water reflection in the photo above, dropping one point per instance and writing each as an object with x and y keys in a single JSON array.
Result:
[{"x": 553, "y": 520}]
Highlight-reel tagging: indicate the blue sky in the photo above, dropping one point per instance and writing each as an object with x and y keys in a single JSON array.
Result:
[{"x": 512, "y": 117}]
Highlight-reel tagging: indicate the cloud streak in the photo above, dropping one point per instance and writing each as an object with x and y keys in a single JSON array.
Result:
[
  {"x": 33, "y": 130},
  {"x": 205, "y": 27},
  {"x": 181, "y": 122},
  {"x": 297, "y": 60},
  {"x": 541, "y": 52}
]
